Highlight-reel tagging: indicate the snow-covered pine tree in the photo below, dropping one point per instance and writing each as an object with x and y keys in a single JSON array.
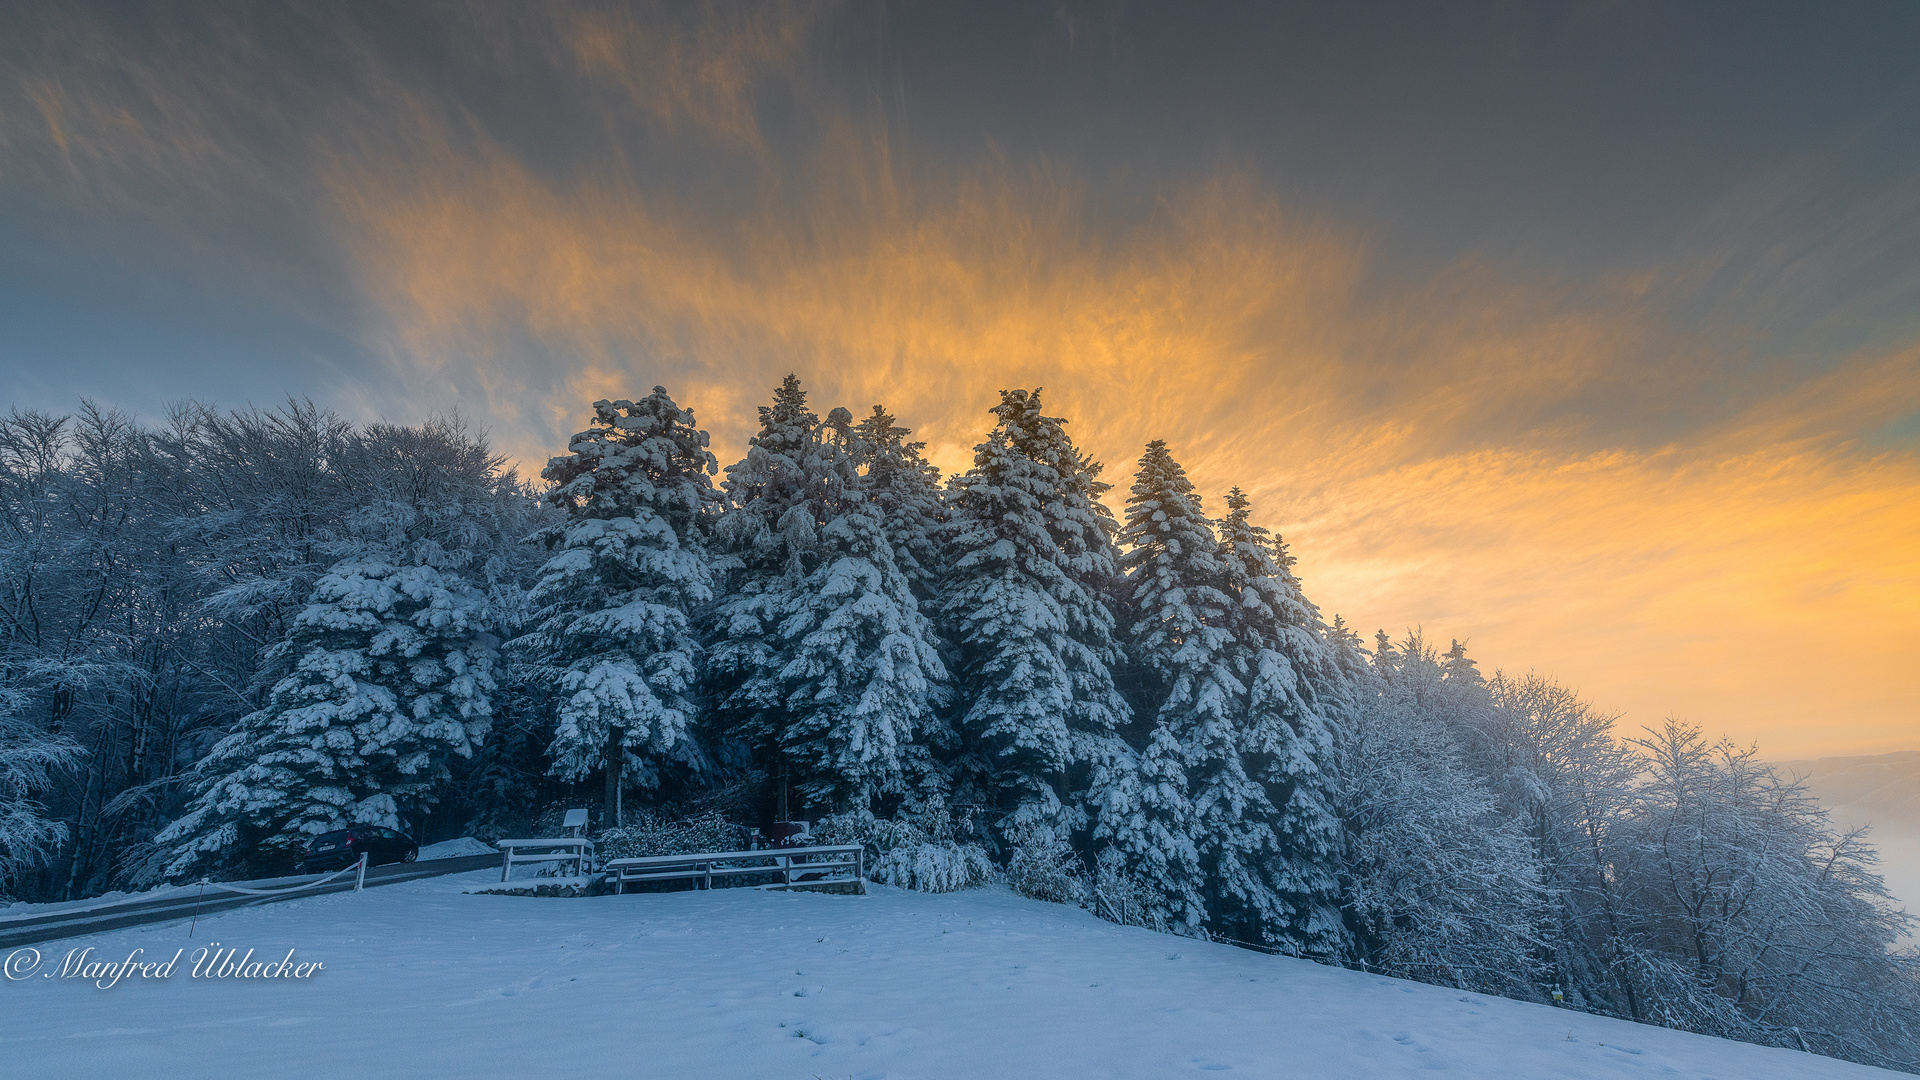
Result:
[
  {"x": 1459, "y": 668},
  {"x": 1444, "y": 692},
  {"x": 1179, "y": 623},
  {"x": 386, "y": 674},
  {"x": 826, "y": 661},
  {"x": 1026, "y": 595},
  {"x": 618, "y": 599},
  {"x": 394, "y": 669},
  {"x": 759, "y": 490},
  {"x": 906, "y": 488},
  {"x": 1295, "y": 694},
  {"x": 1385, "y": 658},
  {"x": 1149, "y": 819},
  {"x": 1348, "y": 654}
]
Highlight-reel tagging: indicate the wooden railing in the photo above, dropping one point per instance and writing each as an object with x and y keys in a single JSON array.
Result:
[
  {"x": 573, "y": 849},
  {"x": 788, "y": 866}
]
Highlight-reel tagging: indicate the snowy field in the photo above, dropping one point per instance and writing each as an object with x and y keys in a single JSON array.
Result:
[{"x": 421, "y": 980}]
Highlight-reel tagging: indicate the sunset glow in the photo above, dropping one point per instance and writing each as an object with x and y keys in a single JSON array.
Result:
[{"x": 1599, "y": 462}]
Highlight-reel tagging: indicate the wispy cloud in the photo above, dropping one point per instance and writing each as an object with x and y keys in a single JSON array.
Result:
[
  {"x": 1551, "y": 468},
  {"x": 694, "y": 68}
]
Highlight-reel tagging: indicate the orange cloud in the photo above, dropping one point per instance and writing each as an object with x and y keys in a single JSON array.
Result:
[
  {"x": 1438, "y": 453},
  {"x": 1765, "y": 589}
]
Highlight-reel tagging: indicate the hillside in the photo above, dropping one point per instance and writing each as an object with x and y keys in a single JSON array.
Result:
[
  {"x": 1882, "y": 790},
  {"x": 422, "y": 980}
]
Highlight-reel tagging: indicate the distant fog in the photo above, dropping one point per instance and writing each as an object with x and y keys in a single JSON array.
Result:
[{"x": 1882, "y": 791}]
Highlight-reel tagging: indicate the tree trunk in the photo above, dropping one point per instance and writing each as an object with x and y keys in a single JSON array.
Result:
[{"x": 615, "y": 756}]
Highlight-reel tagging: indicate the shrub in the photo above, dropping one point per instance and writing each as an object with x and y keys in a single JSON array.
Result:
[
  {"x": 648, "y": 834},
  {"x": 1119, "y": 897},
  {"x": 908, "y": 855},
  {"x": 934, "y": 867},
  {"x": 1043, "y": 867}
]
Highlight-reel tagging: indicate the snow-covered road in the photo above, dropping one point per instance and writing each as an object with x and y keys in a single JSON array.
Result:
[{"x": 421, "y": 980}]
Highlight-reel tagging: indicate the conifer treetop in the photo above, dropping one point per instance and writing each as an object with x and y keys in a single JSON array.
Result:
[
  {"x": 905, "y": 487},
  {"x": 1262, "y": 569},
  {"x": 881, "y": 447},
  {"x": 1079, "y": 522},
  {"x": 1174, "y": 572},
  {"x": 637, "y": 457},
  {"x": 1459, "y": 667},
  {"x": 768, "y": 481}
]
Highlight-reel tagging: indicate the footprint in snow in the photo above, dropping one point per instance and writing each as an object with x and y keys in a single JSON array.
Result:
[{"x": 519, "y": 988}]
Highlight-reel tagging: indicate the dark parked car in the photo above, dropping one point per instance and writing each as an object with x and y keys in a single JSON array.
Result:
[{"x": 342, "y": 847}]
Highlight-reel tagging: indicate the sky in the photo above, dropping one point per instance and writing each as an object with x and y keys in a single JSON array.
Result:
[{"x": 1587, "y": 333}]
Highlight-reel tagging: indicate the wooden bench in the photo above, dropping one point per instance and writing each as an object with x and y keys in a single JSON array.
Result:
[
  {"x": 788, "y": 866},
  {"x": 571, "y": 849}
]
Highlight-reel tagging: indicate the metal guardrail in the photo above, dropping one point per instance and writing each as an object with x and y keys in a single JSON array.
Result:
[{"x": 117, "y": 915}]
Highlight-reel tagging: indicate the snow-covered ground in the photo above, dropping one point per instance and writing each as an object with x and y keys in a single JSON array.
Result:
[{"x": 422, "y": 980}]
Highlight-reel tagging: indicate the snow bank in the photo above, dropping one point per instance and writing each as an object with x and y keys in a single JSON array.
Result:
[
  {"x": 421, "y": 980},
  {"x": 454, "y": 849}
]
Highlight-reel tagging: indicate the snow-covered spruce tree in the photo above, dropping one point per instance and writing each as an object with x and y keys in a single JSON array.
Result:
[
  {"x": 1348, "y": 654},
  {"x": 615, "y": 629},
  {"x": 1385, "y": 658},
  {"x": 1198, "y": 836},
  {"x": 387, "y": 670},
  {"x": 758, "y": 491},
  {"x": 1149, "y": 818},
  {"x": 395, "y": 665},
  {"x": 823, "y": 662},
  {"x": 906, "y": 489},
  {"x": 1459, "y": 668},
  {"x": 1026, "y": 599},
  {"x": 1448, "y": 686},
  {"x": 1296, "y": 694}
]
